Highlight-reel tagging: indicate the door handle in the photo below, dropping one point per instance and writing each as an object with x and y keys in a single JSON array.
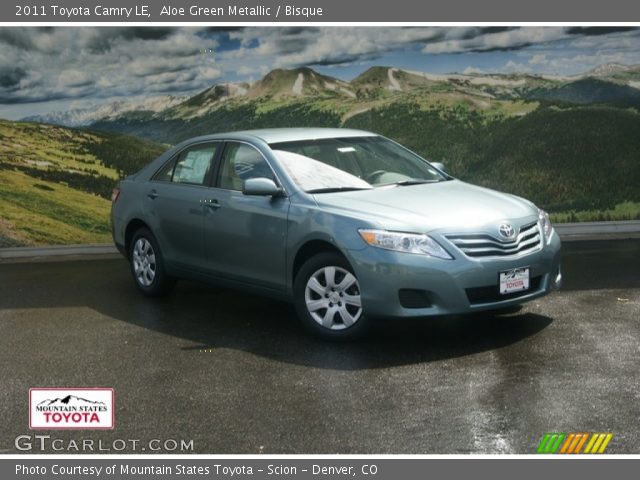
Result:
[
  {"x": 212, "y": 203},
  {"x": 152, "y": 194}
]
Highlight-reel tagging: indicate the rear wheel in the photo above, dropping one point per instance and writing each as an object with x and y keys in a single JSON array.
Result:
[
  {"x": 328, "y": 299},
  {"x": 147, "y": 265}
]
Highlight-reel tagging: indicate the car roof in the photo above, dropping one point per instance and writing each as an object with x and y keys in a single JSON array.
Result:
[{"x": 277, "y": 135}]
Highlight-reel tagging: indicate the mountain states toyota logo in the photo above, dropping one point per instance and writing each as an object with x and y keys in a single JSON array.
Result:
[{"x": 71, "y": 408}]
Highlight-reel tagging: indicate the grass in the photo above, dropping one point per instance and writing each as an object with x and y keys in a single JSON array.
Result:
[
  {"x": 55, "y": 182},
  {"x": 47, "y": 147},
  {"x": 38, "y": 211},
  {"x": 622, "y": 211},
  {"x": 47, "y": 213}
]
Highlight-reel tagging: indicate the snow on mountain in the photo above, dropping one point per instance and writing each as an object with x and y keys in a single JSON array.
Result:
[
  {"x": 86, "y": 116},
  {"x": 608, "y": 69}
]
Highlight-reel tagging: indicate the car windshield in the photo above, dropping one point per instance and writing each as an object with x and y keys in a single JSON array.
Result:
[{"x": 352, "y": 163}]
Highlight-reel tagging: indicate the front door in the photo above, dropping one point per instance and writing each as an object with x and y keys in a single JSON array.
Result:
[{"x": 245, "y": 235}]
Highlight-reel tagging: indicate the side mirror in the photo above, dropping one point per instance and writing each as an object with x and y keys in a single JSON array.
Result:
[
  {"x": 264, "y": 187},
  {"x": 438, "y": 165}
]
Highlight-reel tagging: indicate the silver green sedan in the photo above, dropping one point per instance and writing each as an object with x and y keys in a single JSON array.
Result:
[{"x": 346, "y": 224}]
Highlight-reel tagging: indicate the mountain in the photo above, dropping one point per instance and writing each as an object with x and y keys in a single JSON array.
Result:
[
  {"x": 278, "y": 85},
  {"x": 542, "y": 137},
  {"x": 608, "y": 70},
  {"x": 589, "y": 90},
  {"x": 69, "y": 400},
  {"x": 299, "y": 82},
  {"x": 304, "y": 97},
  {"x": 55, "y": 182},
  {"x": 205, "y": 101},
  {"x": 606, "y": 83},
  {"x": 394, "y": 80},
  {"x": 108, "y": 111},
  {"x": 547, "y": 138}
]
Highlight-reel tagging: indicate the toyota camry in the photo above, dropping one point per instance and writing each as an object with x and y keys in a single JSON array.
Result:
[{"x": 346, "y": 224}]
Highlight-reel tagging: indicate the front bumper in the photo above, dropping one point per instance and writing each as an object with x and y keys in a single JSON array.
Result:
[{"x": 458, "y": 286}]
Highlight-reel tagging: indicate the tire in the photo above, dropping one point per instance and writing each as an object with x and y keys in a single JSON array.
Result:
[
  {"x": 147, "y": 265},
  {"x": 330, "y": 309}
]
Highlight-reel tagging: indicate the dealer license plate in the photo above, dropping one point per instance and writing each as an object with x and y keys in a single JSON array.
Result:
[{"x": 514, "y": 280}]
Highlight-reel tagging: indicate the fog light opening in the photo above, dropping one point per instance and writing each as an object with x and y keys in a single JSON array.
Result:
[{"x": 413, "y": 298}]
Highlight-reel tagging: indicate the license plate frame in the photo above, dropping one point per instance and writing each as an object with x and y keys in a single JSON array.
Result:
[{"x": 514, "y": 280}]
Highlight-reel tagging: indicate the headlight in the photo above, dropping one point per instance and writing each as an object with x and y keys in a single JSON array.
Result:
[
  {"x": 405, "y": 242},
  {"x": 545, "y": 224}
]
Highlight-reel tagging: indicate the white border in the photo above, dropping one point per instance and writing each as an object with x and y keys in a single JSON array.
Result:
[
  {"x": 319, "y": 24},
  {"x": 98, "y": 456},
  {"x": 199, "y": 456}
]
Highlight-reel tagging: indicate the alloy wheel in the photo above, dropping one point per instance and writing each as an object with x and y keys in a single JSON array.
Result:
[
  {"x": 144, "y": 262},
  {"x": 332, "y": 298}
]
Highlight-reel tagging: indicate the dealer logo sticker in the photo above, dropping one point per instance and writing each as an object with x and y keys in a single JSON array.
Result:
[{"x": 71, "y": 408}]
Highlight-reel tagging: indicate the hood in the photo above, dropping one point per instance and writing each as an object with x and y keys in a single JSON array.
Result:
[{"x": 431, "y": 206}]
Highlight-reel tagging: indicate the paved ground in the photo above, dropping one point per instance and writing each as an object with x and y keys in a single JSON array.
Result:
[{"x": 237, "y": 374}]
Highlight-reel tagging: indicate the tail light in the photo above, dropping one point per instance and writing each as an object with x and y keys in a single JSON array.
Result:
[{"x": 115, "y": 194}]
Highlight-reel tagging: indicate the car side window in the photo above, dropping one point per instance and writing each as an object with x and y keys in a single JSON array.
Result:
[
  {"x": 241, "y": 162},
  {"x": 194, "y": 164},
  {"x": 166, "y": 172}
]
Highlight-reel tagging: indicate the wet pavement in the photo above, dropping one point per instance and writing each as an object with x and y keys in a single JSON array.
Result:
[{"x": 237, "y": 373}]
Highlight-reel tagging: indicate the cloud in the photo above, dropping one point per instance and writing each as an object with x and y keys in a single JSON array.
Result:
[
  {"x": 16, "y": 37},
  {"x": 298, "y": 46},
  {"x": 10, "y": 78},
  {"x": 624, "y": 40},
  {"x": 52, "y": 63},
  {"x": 515, "y": 67},
  {"x": 325, "y": 46},
  {"x": 95, "y": 64},
  {"x": 597, "y": 31},
  {"x": 74, "y": 78},
  {"x": 247, "y": 71},
  {"x": 538, "y": 59},
  {"x": 473, "y": 70},
  {"x": 485, "y": 41}
]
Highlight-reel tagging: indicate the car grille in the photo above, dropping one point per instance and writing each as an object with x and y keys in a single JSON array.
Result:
[
  {"x": 491, "y": 293},
  {"x": 479, "y": 245}
]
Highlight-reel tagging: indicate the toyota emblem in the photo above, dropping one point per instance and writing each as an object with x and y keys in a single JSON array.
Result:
[{"x": 507, "y": 230}]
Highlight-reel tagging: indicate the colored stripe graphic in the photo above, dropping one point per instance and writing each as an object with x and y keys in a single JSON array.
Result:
[
  {"x": 550, "y": 442},
  {"x": 581, "y": 442},
  {"x": 543, "y": 443},
  {"x": 567, "y": 443},
  {"x": 598, "y": 443},
  {"x": 572, "y": 443}
]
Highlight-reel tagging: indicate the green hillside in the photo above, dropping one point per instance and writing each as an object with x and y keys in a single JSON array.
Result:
[
  {"x": 578, "y": 158},
  {"x": 55, "y": 182},
  {"x": 588, "y": 91},
  {"x": 570, "y": 145}
]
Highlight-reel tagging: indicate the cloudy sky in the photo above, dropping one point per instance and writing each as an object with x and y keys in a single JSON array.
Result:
[{"x": 47, "y": 69}]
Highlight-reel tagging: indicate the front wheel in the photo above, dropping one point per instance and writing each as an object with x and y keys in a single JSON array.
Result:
[
  {"x": 147, "y": 266},
  {"x": 328, "y": 299}
]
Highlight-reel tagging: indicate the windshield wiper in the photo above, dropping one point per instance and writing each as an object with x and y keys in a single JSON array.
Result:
[
  {"x": 336, "y": 189},
  {"x": 413, "y": 181}
]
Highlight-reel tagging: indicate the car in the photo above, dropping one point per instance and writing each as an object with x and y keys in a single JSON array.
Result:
[{"x": 347, "y": 225}]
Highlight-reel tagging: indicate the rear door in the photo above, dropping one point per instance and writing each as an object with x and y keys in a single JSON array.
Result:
[
  {"x": 175, "y": 205},
  {"x": 245, "y": 235}
]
